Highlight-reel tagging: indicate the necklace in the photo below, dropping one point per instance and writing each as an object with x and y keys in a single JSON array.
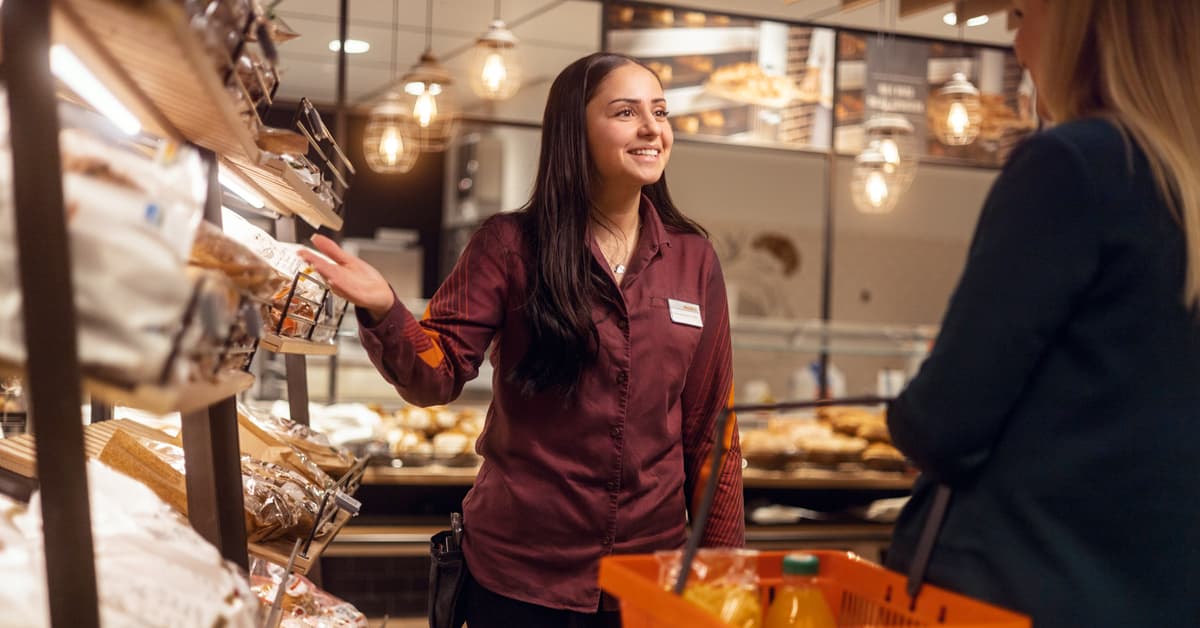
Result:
[
  {"x": 623, "y": 250},
  {"x": 619, "y": 269}
]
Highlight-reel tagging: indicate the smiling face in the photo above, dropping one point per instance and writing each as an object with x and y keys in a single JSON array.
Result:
[{"x": 629, "y": 137}]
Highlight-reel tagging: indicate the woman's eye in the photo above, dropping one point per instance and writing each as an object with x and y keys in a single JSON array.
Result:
[
  {"x": 625, "y": 112},
  {"x": 662, "y": 113}
]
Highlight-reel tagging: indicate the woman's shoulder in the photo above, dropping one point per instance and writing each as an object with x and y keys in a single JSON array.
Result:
[
  {"x": 1090, "y": 141},
  {"x": 505, "y": 230}
]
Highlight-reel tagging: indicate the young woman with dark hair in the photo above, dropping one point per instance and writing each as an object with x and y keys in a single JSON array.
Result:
[{"x": 606, "y": 312}]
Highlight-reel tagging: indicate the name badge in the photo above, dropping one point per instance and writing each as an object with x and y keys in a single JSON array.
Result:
[{"x": 685, "y": 313}]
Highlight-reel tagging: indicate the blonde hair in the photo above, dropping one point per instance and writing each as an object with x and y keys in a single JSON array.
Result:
[{"x": 1136, "y": 62}]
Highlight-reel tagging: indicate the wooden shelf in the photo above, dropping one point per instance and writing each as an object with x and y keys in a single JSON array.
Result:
[
  {"x": 149, "y": 48},
  {"x": 156, "y": 65},
  {"x": 433, "y": 475},
  {"x": 822, "y": 479},
  {"x": 279, "y": 550},
  {"x": 19, "y": 453},
  {"x": 283, "y": 344},
  {"x": 810, "y": 479},
  {"x": 286, "y": 192},
  {"x": 158, "y": 399}
]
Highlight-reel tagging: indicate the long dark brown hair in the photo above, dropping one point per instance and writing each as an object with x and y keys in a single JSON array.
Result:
[{"x": 564, "y": 280}]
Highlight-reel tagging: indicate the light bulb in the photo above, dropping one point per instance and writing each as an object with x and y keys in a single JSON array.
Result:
[
  {"x": 877, "y": 189},
  {"x": 494, "y": 73},
  {"x": 426, "y": 108},
  {"x": 891, "y": 152},
  {"x": 958, "y": 120},
  {"x": 391, "y": 145}
]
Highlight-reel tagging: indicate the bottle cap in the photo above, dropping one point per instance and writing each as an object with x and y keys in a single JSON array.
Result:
[{"x": 800, "y": 565}]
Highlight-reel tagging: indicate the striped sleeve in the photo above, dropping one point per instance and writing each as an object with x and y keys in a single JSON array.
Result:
[
  {"x": 708, "y": 389},
  {"x": 429, "y": 361}
]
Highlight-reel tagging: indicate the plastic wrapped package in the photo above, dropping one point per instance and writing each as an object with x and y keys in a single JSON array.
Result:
[
  {"x": 214, "y": 250},
  {"x": 278, "y": 502},
  {"x": 152, "y": 569},
  {"x": 127, "y": 222},
  {"x": 285, "y": 503},
  {"x": 268, "y": 447},
  {"x": 304, "y": 605},
  {"x": 315, "y": 445},
  {"x": 723, "y": 581}
]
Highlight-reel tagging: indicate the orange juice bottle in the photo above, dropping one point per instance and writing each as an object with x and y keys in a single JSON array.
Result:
[{"x": 799, "y": 602}]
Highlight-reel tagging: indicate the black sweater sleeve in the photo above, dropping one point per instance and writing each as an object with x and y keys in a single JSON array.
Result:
[{"x": 1035, "y": 250}]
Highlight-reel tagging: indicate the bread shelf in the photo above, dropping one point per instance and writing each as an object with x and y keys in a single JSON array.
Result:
[
  {"x": 19, "y": 453},
  {"x": 163, "y": 400},
  {"x": 148, "y": 48},
  {"x": 279, "y": 550},
  {"x": 801, "y": 479},
  {"x": 287, "y": 193},
  {"x": 283, "y": 344},
  {"x": 159, "y": 399}
]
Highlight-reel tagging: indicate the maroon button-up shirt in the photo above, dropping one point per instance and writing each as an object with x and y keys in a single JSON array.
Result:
[{"x": 617, "y": 470}]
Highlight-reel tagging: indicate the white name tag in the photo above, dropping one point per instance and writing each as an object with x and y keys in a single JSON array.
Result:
[{"x": 685, "y": 313}]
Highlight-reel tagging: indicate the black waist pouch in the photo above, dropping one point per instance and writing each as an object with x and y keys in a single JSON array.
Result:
[{"x": 447, "y": 573}]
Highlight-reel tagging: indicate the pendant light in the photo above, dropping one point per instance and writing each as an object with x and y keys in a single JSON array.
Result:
[
  {"x": 495, "y": 69},
  {"x": 428, "y": 98},
  {"x": 875, "y": 186},
  {"x": 888, "y": 163},
  {"x": 958, "y": 112},
  {"x": 385, "y": 147},
  {"x": 895, "y": 139}
]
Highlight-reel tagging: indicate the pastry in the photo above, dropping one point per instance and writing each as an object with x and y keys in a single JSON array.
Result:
[
  {"x": 883, "y": 457},
  {"x": 874, "y": 432}
]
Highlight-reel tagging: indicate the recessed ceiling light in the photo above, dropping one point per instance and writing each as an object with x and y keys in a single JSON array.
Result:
[
  {"x": 353, "y": 46},
  {"x": 950, "y": 19}
]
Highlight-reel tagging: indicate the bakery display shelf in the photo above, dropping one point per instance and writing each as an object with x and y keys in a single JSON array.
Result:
[
  {"x": 287, "y": 193},
  {"x": 283, "y": 344},
  {"x": 159, "y": 399},
  {"x": 18, "y": 454},
  {"x": 151, "y": 44},
  {"x": 818, "y": 479},
  {"x": 279, "y": 550},
  {"x": 433, "y": 475},
  {"x": 799, "y": 479},
  {"x": 740, "y": 97}
]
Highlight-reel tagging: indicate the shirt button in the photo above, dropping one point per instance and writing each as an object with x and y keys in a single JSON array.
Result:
[
  {"x": 612, "y": 485},
  {"x": 607, "y": 540},
  {"x": 616, "y": 431},
  {"x": 623, "y": 325},
  {"x": 622, "y": 378}
]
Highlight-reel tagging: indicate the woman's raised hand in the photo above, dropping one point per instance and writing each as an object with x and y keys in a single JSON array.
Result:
[{"x": 351, "y": 278}]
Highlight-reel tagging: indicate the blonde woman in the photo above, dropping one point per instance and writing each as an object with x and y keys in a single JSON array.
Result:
[{"x": 1062, "y": 398}]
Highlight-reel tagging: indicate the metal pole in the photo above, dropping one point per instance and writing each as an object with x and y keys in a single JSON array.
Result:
[
  {"x": 295, "y": 367},
  {"x": 216, "y": 508},
  {"x": 827, "y": 238},
  {"x": 48, "y": 314},
  {"x": 212, "y": 454}
]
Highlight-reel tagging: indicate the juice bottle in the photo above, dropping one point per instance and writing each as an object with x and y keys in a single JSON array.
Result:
[{"x": 799, "y": 602}]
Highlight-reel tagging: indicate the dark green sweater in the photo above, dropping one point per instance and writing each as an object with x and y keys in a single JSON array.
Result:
[{"x": 1062, "y": 398}]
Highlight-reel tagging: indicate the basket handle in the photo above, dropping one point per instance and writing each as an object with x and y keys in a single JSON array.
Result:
[
  {"x": 710, "y": 488},
  {"x": 929, "y": 533}
]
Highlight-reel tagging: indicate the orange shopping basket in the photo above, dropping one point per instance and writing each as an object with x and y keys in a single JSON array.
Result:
[{"x": 859, "y": 592}]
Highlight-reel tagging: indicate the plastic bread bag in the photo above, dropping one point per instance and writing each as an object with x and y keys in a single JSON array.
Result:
[
  {"x": 333, "y": 460},
  {"x": 285, "y": 502},
  {"x": 152, "y": 569},
  {"x": 304, "y": 605},
  {"x": 217, "y": 251},
  {"x": 129, "y": 286},
  {"x": 723, "y": 582}
]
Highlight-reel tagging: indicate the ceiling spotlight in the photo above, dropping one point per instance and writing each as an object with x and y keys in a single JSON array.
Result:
[{"x": 353, "y": 46}]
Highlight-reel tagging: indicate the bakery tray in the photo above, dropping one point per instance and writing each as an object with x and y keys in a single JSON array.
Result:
[{"x": 283, "y": 344}]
